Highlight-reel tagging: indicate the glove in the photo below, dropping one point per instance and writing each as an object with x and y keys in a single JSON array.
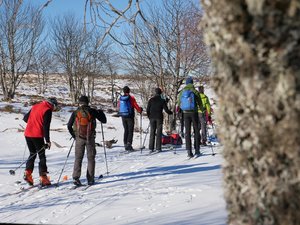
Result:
[
  {"x": 47, "y": 145},
  {"x": 141, "y": 110},
  {"x": 74, "y": 137}
]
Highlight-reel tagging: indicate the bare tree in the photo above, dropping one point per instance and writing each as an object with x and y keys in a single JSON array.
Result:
[
  {"x": 80, "y": 53},
  {"x": 69, "y": 42},
  {"x": 20, "y": 28},
  {"x": 169, "y": 49},
  {"x": 43, "y": 64},
  {"x": 111, "y": 67},
  {"x": 98, "y": 53},
  {"x": 256, "y": 49}
]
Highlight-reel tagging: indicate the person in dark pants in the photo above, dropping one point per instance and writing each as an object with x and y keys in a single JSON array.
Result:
[
  {"x": 191, "y": 118},
  {"x": 82, "y": 127},
  {"x": 181, "y": 119},
  {"x": 204, "y": 115},
  {"x": 155, "y": 108},
  {"x": 38, "y": 121},
  {"x": 127, "y": 113}
]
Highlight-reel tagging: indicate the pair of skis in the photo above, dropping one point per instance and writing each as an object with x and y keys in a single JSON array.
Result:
[{"x": 86, "y": 186}]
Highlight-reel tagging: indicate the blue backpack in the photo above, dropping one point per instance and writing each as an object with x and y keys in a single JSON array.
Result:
[
  {"x": 187, "y": 100},
  {"x": 125, "y": 106}
]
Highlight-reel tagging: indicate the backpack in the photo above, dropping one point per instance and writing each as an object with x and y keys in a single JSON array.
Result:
[
  {"x": 173, "y": 139},
  {"x": 84, "y": 124},
  {"x": 187, "y": 100},
  {"x": 176, "y": 139},
  {"x": 165, "y": 139},
  {"x": 125, "y": 106}
]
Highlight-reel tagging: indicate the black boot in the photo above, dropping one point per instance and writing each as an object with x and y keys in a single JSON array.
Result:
[{"x": 76, "y": 182}]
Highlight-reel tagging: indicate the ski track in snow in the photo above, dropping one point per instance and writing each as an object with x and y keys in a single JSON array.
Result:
[
  {"x": 138, "y": 163},
  {"x": 140, "y": 188}
]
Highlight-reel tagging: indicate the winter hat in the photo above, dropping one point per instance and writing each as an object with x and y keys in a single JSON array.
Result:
[
  {"x": 189, "y": 80},
  {"x": 201, "y": 88},
  {"x": 52, "y": 101},
  {"x": 84, "y": 100},
  {"x": 126, "y": 89},
  {"x": 158, "y": 91}
]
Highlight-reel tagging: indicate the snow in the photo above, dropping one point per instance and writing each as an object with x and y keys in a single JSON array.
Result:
[{"x": 164, "y": 188}]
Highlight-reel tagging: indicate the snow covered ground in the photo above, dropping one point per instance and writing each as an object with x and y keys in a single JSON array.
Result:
[{"x": 164, "y": 188}]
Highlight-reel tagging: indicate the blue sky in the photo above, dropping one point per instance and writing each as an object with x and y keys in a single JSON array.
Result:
[{"x": 60, "y": 7}]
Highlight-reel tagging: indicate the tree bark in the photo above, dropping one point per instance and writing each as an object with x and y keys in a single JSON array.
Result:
[{"x": 255, "y": 46}]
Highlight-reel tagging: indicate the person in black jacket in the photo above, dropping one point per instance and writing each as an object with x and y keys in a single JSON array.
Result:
[
  {"x": 155, "y": 113},
  {"x": 85, "y": 137}
]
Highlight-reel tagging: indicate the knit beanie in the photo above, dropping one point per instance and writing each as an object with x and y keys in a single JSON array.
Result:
[
  {"x": 158, "y": 91},
  {"x": 52, "y": 101},
  {"x": 84, "y": 100},
  {"x": 126, "y": 89},
  {"x": 189, "y": 80}
]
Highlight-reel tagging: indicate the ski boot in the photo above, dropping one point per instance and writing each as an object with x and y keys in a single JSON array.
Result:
[
  {"x": 28, "y": 177},
  {"x": 44, "y": 180},
  {"x": 77, "y": 182}
]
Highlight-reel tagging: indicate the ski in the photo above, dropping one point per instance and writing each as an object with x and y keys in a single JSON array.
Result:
[
  {"x": 197, "y": 156},
  {"x": 90, "y": 185},
  {"x": 40, "y": 187},
  {"x": 74, "y": 187},
  {"x": 22, "y": 189},
  {"x": 86, "y": 187},
  {"x": 127, "y": 152},
  {"x": 154, "y": 153},
  {"x": 194, "y": 156}
]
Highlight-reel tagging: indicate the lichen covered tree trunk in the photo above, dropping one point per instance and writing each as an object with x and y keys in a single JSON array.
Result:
[{"x": 255, "y": 46}]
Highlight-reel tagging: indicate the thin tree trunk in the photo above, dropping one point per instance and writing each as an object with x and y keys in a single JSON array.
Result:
[{"x": 255, "y": 46}]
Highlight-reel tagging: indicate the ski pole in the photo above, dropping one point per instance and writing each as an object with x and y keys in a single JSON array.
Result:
[
  {"x": 147, "y": 131},
  {"x": 13, "y": 172},
  {"x": 65, "y": 163},
  {"x": 141, "y": 132},
  {"x": 104, "y": 149},
  {"x": 211, "y": 146},
  {"x": 175, "y": 149}
]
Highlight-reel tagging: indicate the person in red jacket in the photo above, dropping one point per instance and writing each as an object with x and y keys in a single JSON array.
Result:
[
  {"x": 126, "y": 105},
  {"x": 38, "y": 121}
]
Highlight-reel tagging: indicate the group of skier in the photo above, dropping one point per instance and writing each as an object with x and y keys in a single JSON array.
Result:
[
  {"x": 81, "y": 126},
  {"x": 195, "y": 109},
  {"x": 194, "y": 106}
]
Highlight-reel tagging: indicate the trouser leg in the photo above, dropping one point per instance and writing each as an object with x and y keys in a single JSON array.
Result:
[
  {"x": 125, "y": 126},
  {"x": 130, "y": 131},
  {"x": 32, "y": 154},
  {"x": 195, "y": 123},
  {"x": 79, "y": 153},
  {"x": 152, "y": 133},
  {"x": 159, "y": 134},
  {"x": 187, "y": 126},
  {"x": 91, "y": 153},
  {"x": 203, "y": 128}
]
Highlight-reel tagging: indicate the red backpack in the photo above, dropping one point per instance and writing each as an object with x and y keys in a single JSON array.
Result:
[
  {"x": 176, "y": 139},
  {"x": 173, "y": 139},
  {"x": 165, "y": 139}
]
